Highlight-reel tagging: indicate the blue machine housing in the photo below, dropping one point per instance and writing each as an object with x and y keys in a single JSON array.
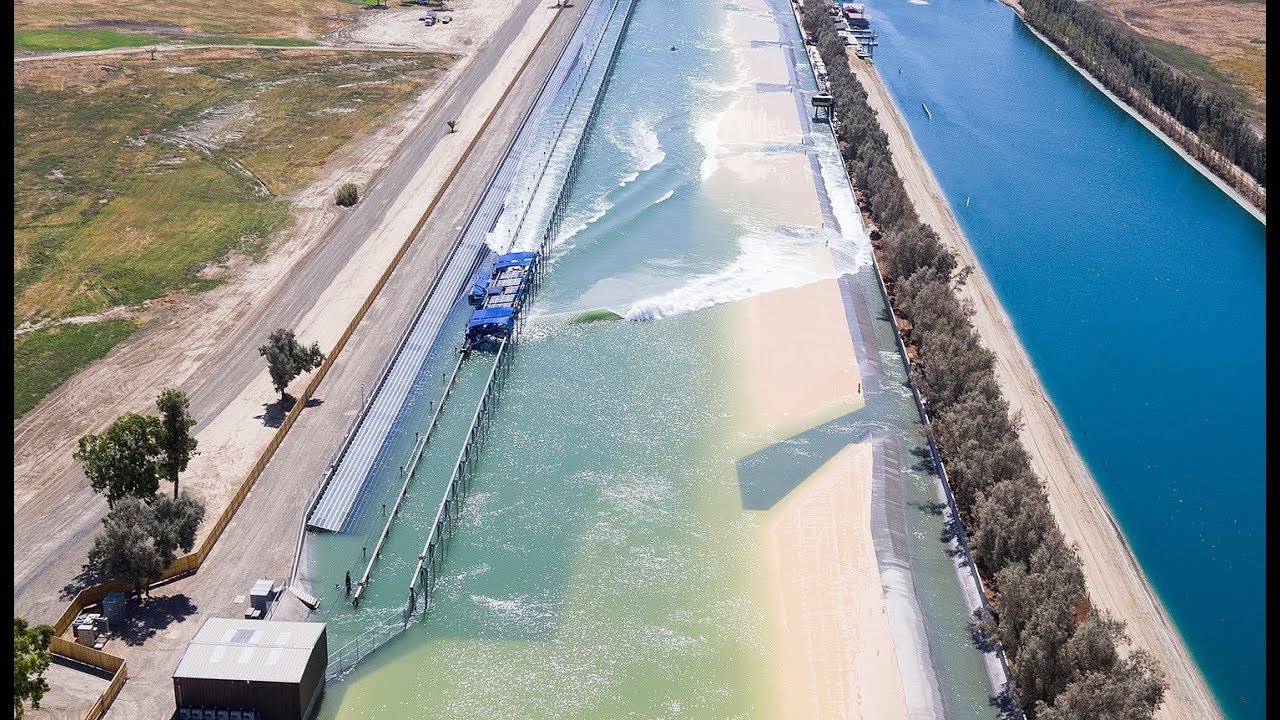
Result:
[
  {"x": 479, "y": 288},
  {"x": 498, "y": 297},
  {"x": 490, "y": 323}
]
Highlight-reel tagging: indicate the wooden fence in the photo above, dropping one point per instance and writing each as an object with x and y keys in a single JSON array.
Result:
[{"x": 96, "y": 658}]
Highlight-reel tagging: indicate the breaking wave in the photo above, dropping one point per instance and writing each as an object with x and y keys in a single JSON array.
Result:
[{"x": 766, "y": 263}]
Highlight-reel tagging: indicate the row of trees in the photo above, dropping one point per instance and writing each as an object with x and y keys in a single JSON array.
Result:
[
  {"x": 1113, "y": 54},
  {"x": 134, "y": 452},
  {"x": 1063, "y": 653},
  {"x": 144, "y": 531}
]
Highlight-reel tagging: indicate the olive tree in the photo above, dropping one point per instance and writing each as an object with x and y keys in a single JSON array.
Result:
[
  {"x": 139, "y": 541},
  {"x": 287, "y": 358}
]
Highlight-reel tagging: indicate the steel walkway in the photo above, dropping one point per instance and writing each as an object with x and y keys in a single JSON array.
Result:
[{"x": 350, "y": 470}]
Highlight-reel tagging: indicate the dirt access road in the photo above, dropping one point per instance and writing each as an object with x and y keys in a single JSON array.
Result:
[
  {"x": 206, "y": 344},
  {"x": 1115, "y": 580}
]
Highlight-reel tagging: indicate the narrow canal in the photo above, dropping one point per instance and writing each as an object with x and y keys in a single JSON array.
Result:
[{"x": 1136, "y": 286}]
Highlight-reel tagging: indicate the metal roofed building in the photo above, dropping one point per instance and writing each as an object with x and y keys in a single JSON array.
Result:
[{"x": 275, "y": 669}]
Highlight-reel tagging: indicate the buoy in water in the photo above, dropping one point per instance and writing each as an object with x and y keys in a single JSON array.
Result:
[{"x": 673, "y": 48}]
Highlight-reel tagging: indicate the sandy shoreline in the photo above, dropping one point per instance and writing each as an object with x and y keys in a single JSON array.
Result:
[
  {"x": 767, "y": 65},
  {"x": 1115, "y": 580},
  {"x": 833, "y": 630},
  {"x": 756, "y": 118},
  {"x": 795, "y": 374},
  {"x": 777, "y": 190},
  {"x": 832, "y": 634}
]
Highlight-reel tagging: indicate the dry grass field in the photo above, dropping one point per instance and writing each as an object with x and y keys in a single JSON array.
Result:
[
  {"x": 297, "y": 19},
  {"x": 135, "y": 178},
  {"x": 1222, "y": 41}
]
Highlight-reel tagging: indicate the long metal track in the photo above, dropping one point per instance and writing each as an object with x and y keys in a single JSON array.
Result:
[
  {"x": 410, "y": 472},
  {"x": 487, "y": 401},
  {"x": 347, "y": 479},
  {"x": 447, "y": 513},
  {"x": 441, "y": 531}
]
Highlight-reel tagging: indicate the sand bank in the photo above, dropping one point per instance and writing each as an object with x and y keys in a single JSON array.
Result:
[
  {"x": 760, "y": 118},
  {"x": 748, "y": 27},
  {"x": 768, "y": 64},
  {"x": 796, "y": 372},
  {"x": 1116, "y": 581},
  {"x": 776, "y": 190},
  {"x": 833, "y": 635}
]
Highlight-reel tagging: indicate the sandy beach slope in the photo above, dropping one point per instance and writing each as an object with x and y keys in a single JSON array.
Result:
[
  {"x": 796, "y": 374},
  {"x": 1116, "y": 581},
  {"x": 778, "y": 190},
  {"x": 749, "y": 27},
  {"x": 760, "y": 118},
  {"x": 767, "y": 64},
  {"x": 833, "y": 632}
]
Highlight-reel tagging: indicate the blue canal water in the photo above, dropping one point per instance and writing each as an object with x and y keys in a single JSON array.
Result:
[{"x": 1136, "y": 286}]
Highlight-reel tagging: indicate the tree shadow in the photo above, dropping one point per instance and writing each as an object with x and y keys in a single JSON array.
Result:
[
  {"x": 87, "y": 577},
  {"x": 149, "y": 616},
  {"x": 1006, "y": 704},
  {"x": 981, "y": 625},
  {"x": 924, "y": 460},
  {"x": 933, "y": 508},
  {"x": 273, "y": 414}
]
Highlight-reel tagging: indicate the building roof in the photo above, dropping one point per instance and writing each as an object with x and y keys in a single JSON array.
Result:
[{"x": 261, "y": 650}]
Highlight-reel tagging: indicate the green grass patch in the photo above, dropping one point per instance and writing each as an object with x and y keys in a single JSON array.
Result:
[
  {"x": 1194, "y": 64},
  {"x": 110, "y": 210},
  {"x": 77, "y": 40},
  {"x": 68, "y": 40},
  {"x": 112, "y": 207},
  {"x": 44, "y": 359}
]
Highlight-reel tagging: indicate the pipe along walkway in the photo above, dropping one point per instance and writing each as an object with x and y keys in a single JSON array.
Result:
[{"x": 512, "y": 300}]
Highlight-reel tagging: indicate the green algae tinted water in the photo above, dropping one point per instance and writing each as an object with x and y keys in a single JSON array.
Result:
[
  {"x": 1137, "y": 288},
  {"x": 599, "y": 570}
]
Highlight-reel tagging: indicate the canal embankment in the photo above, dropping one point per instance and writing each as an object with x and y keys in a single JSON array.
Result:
[
  {"x": 1115, "y": 580},
  {"x": 1241, "y": 188}
]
